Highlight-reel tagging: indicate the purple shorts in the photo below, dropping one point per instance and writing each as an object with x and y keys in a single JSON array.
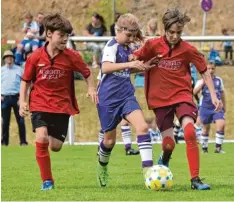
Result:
[
  {"x": 111, "y": 116},
  {"x": 210, "y": 115}
]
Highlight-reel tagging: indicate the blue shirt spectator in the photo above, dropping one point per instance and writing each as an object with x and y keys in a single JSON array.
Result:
[{"x": 10, "y": 88}]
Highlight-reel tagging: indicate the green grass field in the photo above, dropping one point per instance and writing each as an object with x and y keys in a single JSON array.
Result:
[{"x": 74, "y": 170}]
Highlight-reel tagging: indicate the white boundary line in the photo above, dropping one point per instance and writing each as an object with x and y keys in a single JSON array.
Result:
[{"x": 159, "y": 142}]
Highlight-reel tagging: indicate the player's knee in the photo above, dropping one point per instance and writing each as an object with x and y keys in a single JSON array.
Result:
[
  {"x": 142, "y": 128},
  {"x": 168, "y": 144},
  {"x": 110, "y": 143},
  {"x": 189, "y": 133},
  {"x": 55, "y": 148},
  {"x": 43, "y": 138}
]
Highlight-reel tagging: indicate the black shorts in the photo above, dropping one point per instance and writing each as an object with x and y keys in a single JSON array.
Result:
[{"x": 57, "y": 124}]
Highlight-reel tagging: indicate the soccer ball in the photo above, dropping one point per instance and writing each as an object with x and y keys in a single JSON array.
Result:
[{"x": 158, "y": 177}]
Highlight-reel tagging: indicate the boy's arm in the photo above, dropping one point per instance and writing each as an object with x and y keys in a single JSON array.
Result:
[
  {"x": 208, "y": 81},
  {"x": 198, "y": 86},
  {"x": 92, "y": 92},
  {"x": 23, "y": 98},
  {"x": 223, "y": 100},
  {"x": 109, "y": 67}
]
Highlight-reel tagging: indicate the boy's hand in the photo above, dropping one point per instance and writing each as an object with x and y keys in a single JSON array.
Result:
[
  {"x": 23, "y": 110},
  {"x": 93, "y": 94},
  {"x": 152, "y": 62},
  {"x": 137, "y": 65},
  {"x": 217, "y": 103}
]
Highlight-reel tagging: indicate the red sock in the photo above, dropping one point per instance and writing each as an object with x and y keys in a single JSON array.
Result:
[
  {"x": 43, "y": 161},
  {"x": 168, "y": 144},
  {"x": 192, "y": 150}
]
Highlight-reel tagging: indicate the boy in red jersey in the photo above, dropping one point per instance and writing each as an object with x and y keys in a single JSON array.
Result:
[
  {"x": 168, "y": 88},
  {"x": 52, "y": 98}
]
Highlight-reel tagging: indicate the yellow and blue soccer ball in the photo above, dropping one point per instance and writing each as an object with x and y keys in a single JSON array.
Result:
[{"x": 158, "y": 177}]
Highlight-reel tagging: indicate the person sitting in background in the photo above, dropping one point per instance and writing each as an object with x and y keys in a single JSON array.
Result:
[
  {"x": 10, "y": 86},
  {"x": 152, "y": 28},
  {"x": 42, "y": 36},
  {"x": 30, "y": 42},
  {"x": 227, "y": 48},
  {"x": 96, "y": 28},
  {"x": 112, "y": 27}
]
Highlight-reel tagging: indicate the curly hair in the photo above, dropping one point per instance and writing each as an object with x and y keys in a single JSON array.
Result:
[{"x": 174, "y": 15}]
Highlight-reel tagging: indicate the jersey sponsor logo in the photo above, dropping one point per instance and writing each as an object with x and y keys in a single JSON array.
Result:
[
  {"x": 122, "y": 73},
  {"x": 52, "y": 73},
  {"x": 168, "y": 64}
]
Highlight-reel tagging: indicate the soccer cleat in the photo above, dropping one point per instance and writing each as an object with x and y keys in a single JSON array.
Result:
[
  {"x": 132, "y": 152},
  {"x": 197, "y": 184},
  {"x": 204, "y": 150},
  {"x": 47, "y": 185},
  {"x": 102, "y": 175},
  {"x": 164, "y": 159},
  {"x": 219, "y": 150}
]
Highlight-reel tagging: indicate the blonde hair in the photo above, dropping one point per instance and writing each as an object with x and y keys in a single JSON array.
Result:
[
  {"x": 125, "y": 20},
  {"x": 149, "y": 31}
]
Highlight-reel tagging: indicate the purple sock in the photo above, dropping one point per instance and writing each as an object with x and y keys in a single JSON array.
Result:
[{"x": 145, "y": 147}]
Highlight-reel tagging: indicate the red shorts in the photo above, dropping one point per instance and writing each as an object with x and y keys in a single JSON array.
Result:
[{"x": 165, "y": 115}]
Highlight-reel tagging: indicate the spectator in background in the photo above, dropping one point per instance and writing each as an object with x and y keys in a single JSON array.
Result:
[
  {"x": 42, "y": 36},
  {"x": 96, "y": 28},
  {"x": 152, "y": 28},
  {"x": 227, "y": 48},
  {"x": 10, "y": 87},
  {"x": 30, "y": 42},
  {"x": 112, "y": 27}
]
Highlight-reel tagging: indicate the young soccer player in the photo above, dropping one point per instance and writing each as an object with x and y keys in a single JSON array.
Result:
[
  {"x": 207, "y": 110},
  {"x": 116, "y": 96},
  {"x": 125, "y": 132},
  {"x": 169, "y": 91},
  {"x": 52, "y": 98}
]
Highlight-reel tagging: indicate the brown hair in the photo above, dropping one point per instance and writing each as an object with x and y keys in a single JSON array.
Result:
[
  {"x": 174, "y": 15},
  {"x": 56, "y": 22},
  {"x": 28, "y": 16}
]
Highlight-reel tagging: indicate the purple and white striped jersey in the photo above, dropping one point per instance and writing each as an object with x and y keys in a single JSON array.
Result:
[
  {"x": 115, "y": 87},
  {"x": 205, "y": 100}
]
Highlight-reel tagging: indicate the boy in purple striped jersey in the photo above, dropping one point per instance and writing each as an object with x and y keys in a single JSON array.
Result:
[
  {"x": 116, "y": 96},
  {"x": 207, "y": 113}
]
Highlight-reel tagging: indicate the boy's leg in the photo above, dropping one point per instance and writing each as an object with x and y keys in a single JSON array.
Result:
[
  {"x": 187, "y": 114},
  {"x": 205, "y": 137},
  {"x": 100, "y": 139},
  {"x": 105, "y": 149},
  {"x": 220, "y": 128},
  {"x": 136, "y": 118},
  {"x": 165, "y": 117},
  {"x": 43, "y": 157},
  {"x": 126, "y": 136},
  {"x": 206, "y": 116}
]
